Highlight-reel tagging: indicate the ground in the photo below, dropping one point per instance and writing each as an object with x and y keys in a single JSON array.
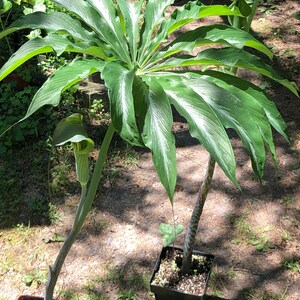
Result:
[{"x": 254, "y": 233}]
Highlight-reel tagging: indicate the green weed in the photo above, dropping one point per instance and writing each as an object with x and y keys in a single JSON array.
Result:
[
  {"x": 285, "y": 235},
  {"x": 53, "y": 213},
  {"x": 126, "y": 295},
  {"x": 288, "y": 200},
  {"x": 216, "y": 282},
  {"x": 246, "y": 234},
  {"x": 35, "y": 277},
  {"x": 292, "y": 265},
  {"x": 287, "y": 53}
]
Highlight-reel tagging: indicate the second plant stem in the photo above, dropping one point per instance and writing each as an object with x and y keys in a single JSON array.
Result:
[
  {"x": 190, "y": 236},
  {"x": 86, "y": 201}
]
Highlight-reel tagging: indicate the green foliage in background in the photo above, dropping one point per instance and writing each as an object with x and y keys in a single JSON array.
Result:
[{"x": 12, "y": 106}]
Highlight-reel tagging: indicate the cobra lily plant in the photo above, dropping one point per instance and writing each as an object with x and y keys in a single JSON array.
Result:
[{"x": 149, "y": 65}]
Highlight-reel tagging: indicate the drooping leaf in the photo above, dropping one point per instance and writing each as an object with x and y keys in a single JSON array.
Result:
[
  {"x": 237, "y": 112},
  {"x": 229, "y": 57},
  {"x": 61, "y": 80},
  {"x": 25, "y": 52},
  {"x": 51, "y": 43},
  {"x": 119, "y": 82},
  {"x": 219, "y": 34},
  {"x": 254, "y": 98},
  {"x": 154, "y": 111},
  {"x": 203, "y": 123},
  {"x": 55, "y": 21},
  {"x": 255, "y": 112},
  {"x": 257, "y": 95}
]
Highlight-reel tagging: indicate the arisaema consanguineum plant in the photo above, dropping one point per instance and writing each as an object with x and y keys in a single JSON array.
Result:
[{"x": 148, "y": 65}]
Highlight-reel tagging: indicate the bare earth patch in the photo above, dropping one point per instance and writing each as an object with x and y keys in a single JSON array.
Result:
[{"x": 120, "y": 241}]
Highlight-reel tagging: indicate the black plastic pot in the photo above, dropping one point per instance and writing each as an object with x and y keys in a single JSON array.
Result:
[{"x": 165, "y": 293}]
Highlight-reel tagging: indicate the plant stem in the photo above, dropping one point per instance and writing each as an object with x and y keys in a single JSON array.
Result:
[
  {"x": 81, "y": 214},
  {"x": 190, "y": 236},
  {"x": 250, "y": 18},
  {"x": 6, "y": 39}
]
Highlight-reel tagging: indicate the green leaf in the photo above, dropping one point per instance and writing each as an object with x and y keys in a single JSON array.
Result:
[
  {"x": 188, "y": 13},
  {"x": 260, "y": 247},
  {"x": 217, "y": 34},
  {"x": 132, "y": 14},
  {"x": 153, "y": 17},
  {"x": 51, "y": 43},
  {"x": 165, "y": 228},
  {"x": 178, "y": 229},
  {"x": 229, "y": 57},
  {"x": 239, "y": 58},
  {"x": 255, "y": 242},
  {"x": 257, "y": 95},
  {"x": 170, "y": 233},
  {"x": 27, "y": 51},
  {"x": 56, "y": 21},
  {"x": 245, "y": 10},
  {"x": 100, "y": 17},
  {"x": 119, "y": 81},
  {"x": 111, "y": 27},
  {"x": 62, "y": 79},
  {"x": 203, "y": 122},
  {"x": 240, "y": 113},
  {"x": 156, "y": 120},
  {"x": 271, "y": 246},
  {"x": 5, "y": 6},
  {"x": 254, "y": 100},
  {"x": 196, "y": 10}
]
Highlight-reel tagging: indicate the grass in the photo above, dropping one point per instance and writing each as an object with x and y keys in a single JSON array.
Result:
[
  {"x": 251, "y": 294},
  {"x": 32, "y": 189},
  {"x": 286, "y": 236},
  {"x": 23, "y": 186},
  {"x": 35, "y": 179},
  {"x": 245, "y": 233},
  {"x": 220, "y": 278},
  {"x": 121, "y": 284}
]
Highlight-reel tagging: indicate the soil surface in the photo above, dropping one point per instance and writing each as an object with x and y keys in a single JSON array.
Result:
[
  {"x": 167, "y": 272},
  {"x": 120, "y": 241}
]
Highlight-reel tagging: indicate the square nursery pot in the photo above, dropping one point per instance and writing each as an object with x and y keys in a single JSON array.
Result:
[
  {"x": 26, "y": 297},
  {"x": 168, "y": 293}
]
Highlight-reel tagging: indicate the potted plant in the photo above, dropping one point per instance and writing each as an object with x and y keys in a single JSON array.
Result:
[
  {"x": 143, "y": 67},
  {"x": 188, "y": 280}
]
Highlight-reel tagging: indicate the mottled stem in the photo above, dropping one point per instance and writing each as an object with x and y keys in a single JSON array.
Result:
[{"x": 190, "y": 236}]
